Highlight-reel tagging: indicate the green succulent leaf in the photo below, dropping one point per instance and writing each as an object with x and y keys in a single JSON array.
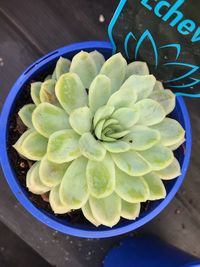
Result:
[
  {"x": 51, "y": 173},
  {"x": 99, "y": 129},
  {"x": 166, "y": 99},
  {"x": 18, "y": 144},
  {"x": 48, "y": 119},
  {"x": 71, "y": 92},
  {"x": 106, "y": 210},
  {"x": 91, "y": 148},
  {"x": 47, "y": 92},
  {"x": 171, "y": 132},
  {"x": 131, "y": 189},
  {"x": 101, "y": 177},
  {"x": 131, "y": 163},
  {"x": 62, "y": 67},
  {"x": 142, "y": 137},
  {"x": 85, "y": 67},
  {"x": 81, "y": 120},
  {"x": 130, "y": 211},
  {"x": 141, "y": 85},
  {"x": 108, "y": 130},
  {"x": 107, "y": 139},
  {"x": 99, "y": 92},
  {"x": 25, "y": 114},
  {"x": 156, "y": 186},
  {"x": 99, "y": 133},
  {"x": 177, "y": 145},
  {"x": 158, "y": 86},
  {"x": 102, "y": 113},
  {"x": 126, "y": 117},
  {"x": 35, "y": 92},
  {"x": 48, "y": 77},
  {"x": 73, "y": 188},
  {"x": 34, "y": 146},
  {"x": 159, "y": 157},
  {"x": 137, "y": 68},
  {"x": 170, "y": 172},
  {"x": 150, "y": 112},
  {"x": 113, "y": 129},
  {"x": 87, "y": 212},
  {"x": 115, "y": 69},
  {"x": 110, "y": 122},
  {"x": 125, "y": 97},
  {"x": 63, "y": 146},
  {"x": 118, "y": 135},
  {"x": 54, "y": 199},
  {"x": 116, "y": 147},
  {"x": 98, "y": 58},
  {"x": 33, "y": 181}
]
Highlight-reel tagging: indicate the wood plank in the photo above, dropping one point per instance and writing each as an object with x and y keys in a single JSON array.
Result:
[
  {"x": 44, "y": 26},
  {"x": 16, "y": 53},
  {"x": 52, "y": 24},
  {"x": 15, "y": 252}
]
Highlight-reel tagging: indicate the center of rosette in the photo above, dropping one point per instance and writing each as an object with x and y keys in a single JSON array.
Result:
[{"x": 111, "y": 124}]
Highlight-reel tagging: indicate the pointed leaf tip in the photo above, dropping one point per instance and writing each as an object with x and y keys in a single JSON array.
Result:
[
  {"x": 35, "y": 92},
  {"x": 33, "y": 181},
  {"x": 130, "y": 211},
  {"x": 71, "y": 92},
  {"x": 99, "y": 92},
  {"x": 34, "y": 146},
  {"x": 170, "y": 172},
  {"x": 62, "y": 67},
  {"x": 87, "y": 212},
  {"x": 106, "y": 210},
  {"x": 25, "y": 114},
  {"x": 156, "y": 187},
  {"x": 171, "y": 132},
  {"x": 98, "y": 58},
  {"x": 54, "y": 199},
  {"x": 84, "y": 66},
  {"x": 47, "y": 92},
  {"x": 115, "y": 69},
  {"x": 137, "y": 68}
]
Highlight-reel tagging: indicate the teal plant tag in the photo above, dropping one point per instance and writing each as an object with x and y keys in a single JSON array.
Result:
[{"x": 166, "y": 35}]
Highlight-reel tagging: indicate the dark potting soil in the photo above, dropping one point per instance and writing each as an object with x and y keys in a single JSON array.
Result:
[{"x": 21, "y": 165}]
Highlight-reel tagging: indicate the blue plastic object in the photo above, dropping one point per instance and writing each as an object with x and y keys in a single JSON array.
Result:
[
  {"x": 46, "y": 64},
  {"x": 148, "y": 251}
]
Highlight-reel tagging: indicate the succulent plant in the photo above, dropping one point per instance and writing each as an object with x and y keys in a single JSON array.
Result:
[{"x": 100, "y": 137}]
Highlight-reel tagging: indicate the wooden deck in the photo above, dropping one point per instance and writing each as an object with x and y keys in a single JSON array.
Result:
[{"x": 30, "y": 29}]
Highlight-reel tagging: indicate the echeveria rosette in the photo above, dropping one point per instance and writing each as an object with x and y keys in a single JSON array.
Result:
[{"x": 105, "y": 150}]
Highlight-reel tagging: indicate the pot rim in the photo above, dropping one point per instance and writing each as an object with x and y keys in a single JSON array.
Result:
[{"x": 17, "y": 189}]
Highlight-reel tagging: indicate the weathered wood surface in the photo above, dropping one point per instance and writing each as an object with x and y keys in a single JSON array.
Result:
[{"x": 29, "y": 29}]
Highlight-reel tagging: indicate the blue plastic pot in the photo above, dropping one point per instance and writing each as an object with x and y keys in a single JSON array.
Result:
[
  {"x": 38, "y": 68},
  {"x": 148, "y": 251}
]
